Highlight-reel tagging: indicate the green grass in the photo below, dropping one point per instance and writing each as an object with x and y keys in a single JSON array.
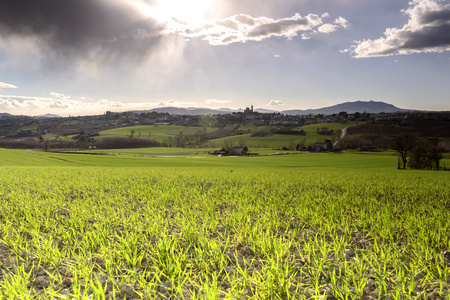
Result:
[
  {"x": 301, "y": 160},
  {"x": 277, "y": 140},
  {"x": 162, "y": 133},
  {"x": 28, "y": 128},
  {"x": 335, "y": 126},
  {"x": 155, "y": 132},
  {"x": 178, "y": 157},
  {"x": 157, "y": 151},
  {"x": 301, "y": 226}
]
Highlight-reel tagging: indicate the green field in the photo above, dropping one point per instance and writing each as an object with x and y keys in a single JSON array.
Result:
[
  {"x": 173, "y": 158},
  {"x": 162, "y": 133},
  {"x": 155, "y": 132},
  {"x": 297, "y": 226},
  {"x": 277, "y": 141}
]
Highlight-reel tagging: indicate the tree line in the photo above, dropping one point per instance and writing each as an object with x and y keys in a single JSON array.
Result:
[{"x": 418, "y": 153}]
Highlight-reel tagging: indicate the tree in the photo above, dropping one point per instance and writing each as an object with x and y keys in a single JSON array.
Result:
[
  {"x": 46, "y": 146},
  {"x": 227, "y": 143},
  {"x": 343, "y": 114},
  {"x": 435, "y": 155},
  {"x": 403, "y": 145},
  {"x": 426, "y": 154},
  {"x": 419, "y": 158},
  {"x": 242, "y": 143}
]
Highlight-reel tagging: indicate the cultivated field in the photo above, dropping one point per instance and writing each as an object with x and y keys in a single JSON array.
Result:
[
  {"x": 155, "y": 132},
  {"x": 163, "y": 133},
  {"x": 278, "y": 140},
  {"x": 304, "y": 226}
]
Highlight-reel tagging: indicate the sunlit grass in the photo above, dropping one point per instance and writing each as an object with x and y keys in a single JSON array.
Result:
[
  {"x": 285, "y": 227},
  {"x": 278, "y": 141}
]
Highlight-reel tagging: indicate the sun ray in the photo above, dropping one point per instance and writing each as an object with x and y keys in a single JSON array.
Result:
[
  {"x": 189, "y": 12},
  {"x": 192, "y": 11}
]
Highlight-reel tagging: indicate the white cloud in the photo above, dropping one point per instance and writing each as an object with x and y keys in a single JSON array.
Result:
[
  {"x": 59, "y": 96},
  {"x": 216, "y": 101},
  {"x": 305, "y": 36},
  {"x": 275, "y": 103},
  {"x": 173, "y": 102},
  {"x": 341, "y": 22},
  {"x": 427, "y": 30},
  {"x": 64, "y": 106},
  {"x": 277, "y": 56},
  {"x": 327, "y": 28},
  {"x": 242, "y": 28},
  {"x": 4, "y": 85}
]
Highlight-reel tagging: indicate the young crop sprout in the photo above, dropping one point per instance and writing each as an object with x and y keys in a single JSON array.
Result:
[{"x": 199, "y": 231}]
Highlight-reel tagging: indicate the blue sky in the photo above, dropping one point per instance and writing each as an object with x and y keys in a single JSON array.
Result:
[{"x": 89, "y": 56}]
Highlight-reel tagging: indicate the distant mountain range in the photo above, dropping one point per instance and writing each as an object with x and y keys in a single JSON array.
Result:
[
  {"x": 49, "y": 116},
  {"x": 372, "y": 107},
  {"x": 349, "y": 107}
]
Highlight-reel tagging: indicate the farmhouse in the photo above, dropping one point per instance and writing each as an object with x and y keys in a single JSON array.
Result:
[{"x": 233, "y": 151}]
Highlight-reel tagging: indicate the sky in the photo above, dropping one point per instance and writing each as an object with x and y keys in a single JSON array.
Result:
[{"x": 85, "y": 57}]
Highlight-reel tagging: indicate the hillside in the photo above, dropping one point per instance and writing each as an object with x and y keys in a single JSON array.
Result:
[
  {"x": 372, "y": 107},
  {"x": 349, "y": 107}
]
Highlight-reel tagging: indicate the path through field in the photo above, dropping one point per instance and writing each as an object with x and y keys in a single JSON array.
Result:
[{"x": 344, "y": 132}]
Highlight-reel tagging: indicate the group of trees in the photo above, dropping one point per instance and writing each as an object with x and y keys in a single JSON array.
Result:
[{"x": 417, "y": 153}]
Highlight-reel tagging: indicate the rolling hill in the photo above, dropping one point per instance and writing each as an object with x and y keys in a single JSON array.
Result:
[{"x": 349, "y": 107}]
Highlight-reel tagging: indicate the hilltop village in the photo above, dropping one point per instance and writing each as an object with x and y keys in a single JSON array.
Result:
[
  {"x": 367, "y": 131},
  {"x": 16, "y": 126}
]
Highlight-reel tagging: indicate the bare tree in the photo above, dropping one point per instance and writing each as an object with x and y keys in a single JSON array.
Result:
[
  {"x": 227, "y": 143},
  {"x": 434, "y": 152},
  {"x": 403, "y": 144}
]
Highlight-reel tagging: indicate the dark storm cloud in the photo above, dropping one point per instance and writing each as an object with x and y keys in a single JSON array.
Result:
[
  {"x": 69, "y": 21},
  {"x": 74, "y": 28},
  {"x": 440, "y": 16},
  {"x": 428, "y": 30},
  {"x": 429, "y": 37}
]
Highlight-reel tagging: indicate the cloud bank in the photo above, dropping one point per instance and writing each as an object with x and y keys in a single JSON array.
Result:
[
  {"x": 4, "y": 85},
  {"x": 217, "y": 101},
  {"x": 427, "y": 30},
  {"x": 242, "y": 28},
  {"x": 275, "y": 103},
  {"x": 63, "y": 104},
  {"x": 64, "y": 32},
  {"x": 90, "y": 34}
]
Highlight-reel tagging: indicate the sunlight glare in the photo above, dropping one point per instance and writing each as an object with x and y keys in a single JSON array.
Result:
[{"x": 191, "y": 12}]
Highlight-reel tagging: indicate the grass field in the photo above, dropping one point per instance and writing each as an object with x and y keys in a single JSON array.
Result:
[
  {"x": 174, "y": 158},
  {"x": 300, "y": 226},
  {"x": 155, "y": 132},
  {"x": 162, "y": 133},
  {"x": 278, "y": 140}
]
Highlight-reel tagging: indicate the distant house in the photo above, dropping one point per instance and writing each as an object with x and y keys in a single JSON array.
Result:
[
  {"x": 300, "y": 131},
  {"x": 233, "y": 151},
  {"x": 325, "y": 131},
  {"x": 320, "y": 147}
]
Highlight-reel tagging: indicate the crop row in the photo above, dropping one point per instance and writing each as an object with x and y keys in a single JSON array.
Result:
[{"x": 105, "y": 233}]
